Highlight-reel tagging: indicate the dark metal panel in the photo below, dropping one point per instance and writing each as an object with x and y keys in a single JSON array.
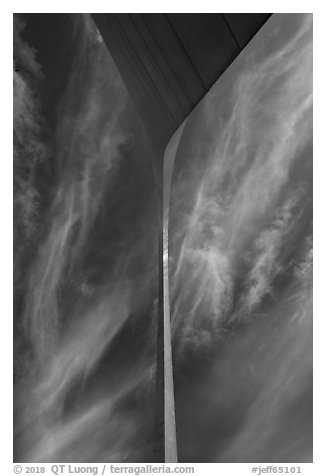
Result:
[
  {"x": 169, "y": 61},
  {"x": 159, "y": 68},
  {"x": 131, "y": 57},
  {"x": 178, "y": 66},
  {"x": 208, "y": 41},
  {"x": 245, "y": 25}
]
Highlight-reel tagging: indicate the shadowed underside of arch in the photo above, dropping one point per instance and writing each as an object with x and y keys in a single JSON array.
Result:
[{"x": 168, "y": 62}]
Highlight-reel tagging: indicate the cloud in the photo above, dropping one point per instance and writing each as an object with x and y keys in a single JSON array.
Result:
[
  {"x": 24, "y": 55},
  {"x": 29, "y": 146},
  {"x": 265, "y": 258},
  {"x": 239, "y": 172},
  {"x": 204, "y": 289},
  {"x": 90, "y": 291},
  {"x": 65, "y": 436},
  {"x": 303, "y": 286},
  {"x": 30, "y": 151},
  {"x": 241, "y": 257},
  {"x": 87, "y": 142}
]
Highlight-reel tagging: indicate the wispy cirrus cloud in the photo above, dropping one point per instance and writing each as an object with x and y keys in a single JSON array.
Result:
[
  {"x": 87, "y": 142},
  {"x": 265, "y": 260},
  {"x": 92, "y": 278},
  {"x": 241, "y": 257},
  {"x": 259, "y": 123},
  {"x": 29, "y": 146}
]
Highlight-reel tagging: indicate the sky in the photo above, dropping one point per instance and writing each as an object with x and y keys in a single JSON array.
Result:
[
  {"x": 240, "y": 257},
  {"x": 85, "y": 254},
  {"x": 85, "y": 251}
]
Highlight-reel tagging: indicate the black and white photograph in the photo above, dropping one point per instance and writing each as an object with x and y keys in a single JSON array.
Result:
[{"x": 162, "y": 240}]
